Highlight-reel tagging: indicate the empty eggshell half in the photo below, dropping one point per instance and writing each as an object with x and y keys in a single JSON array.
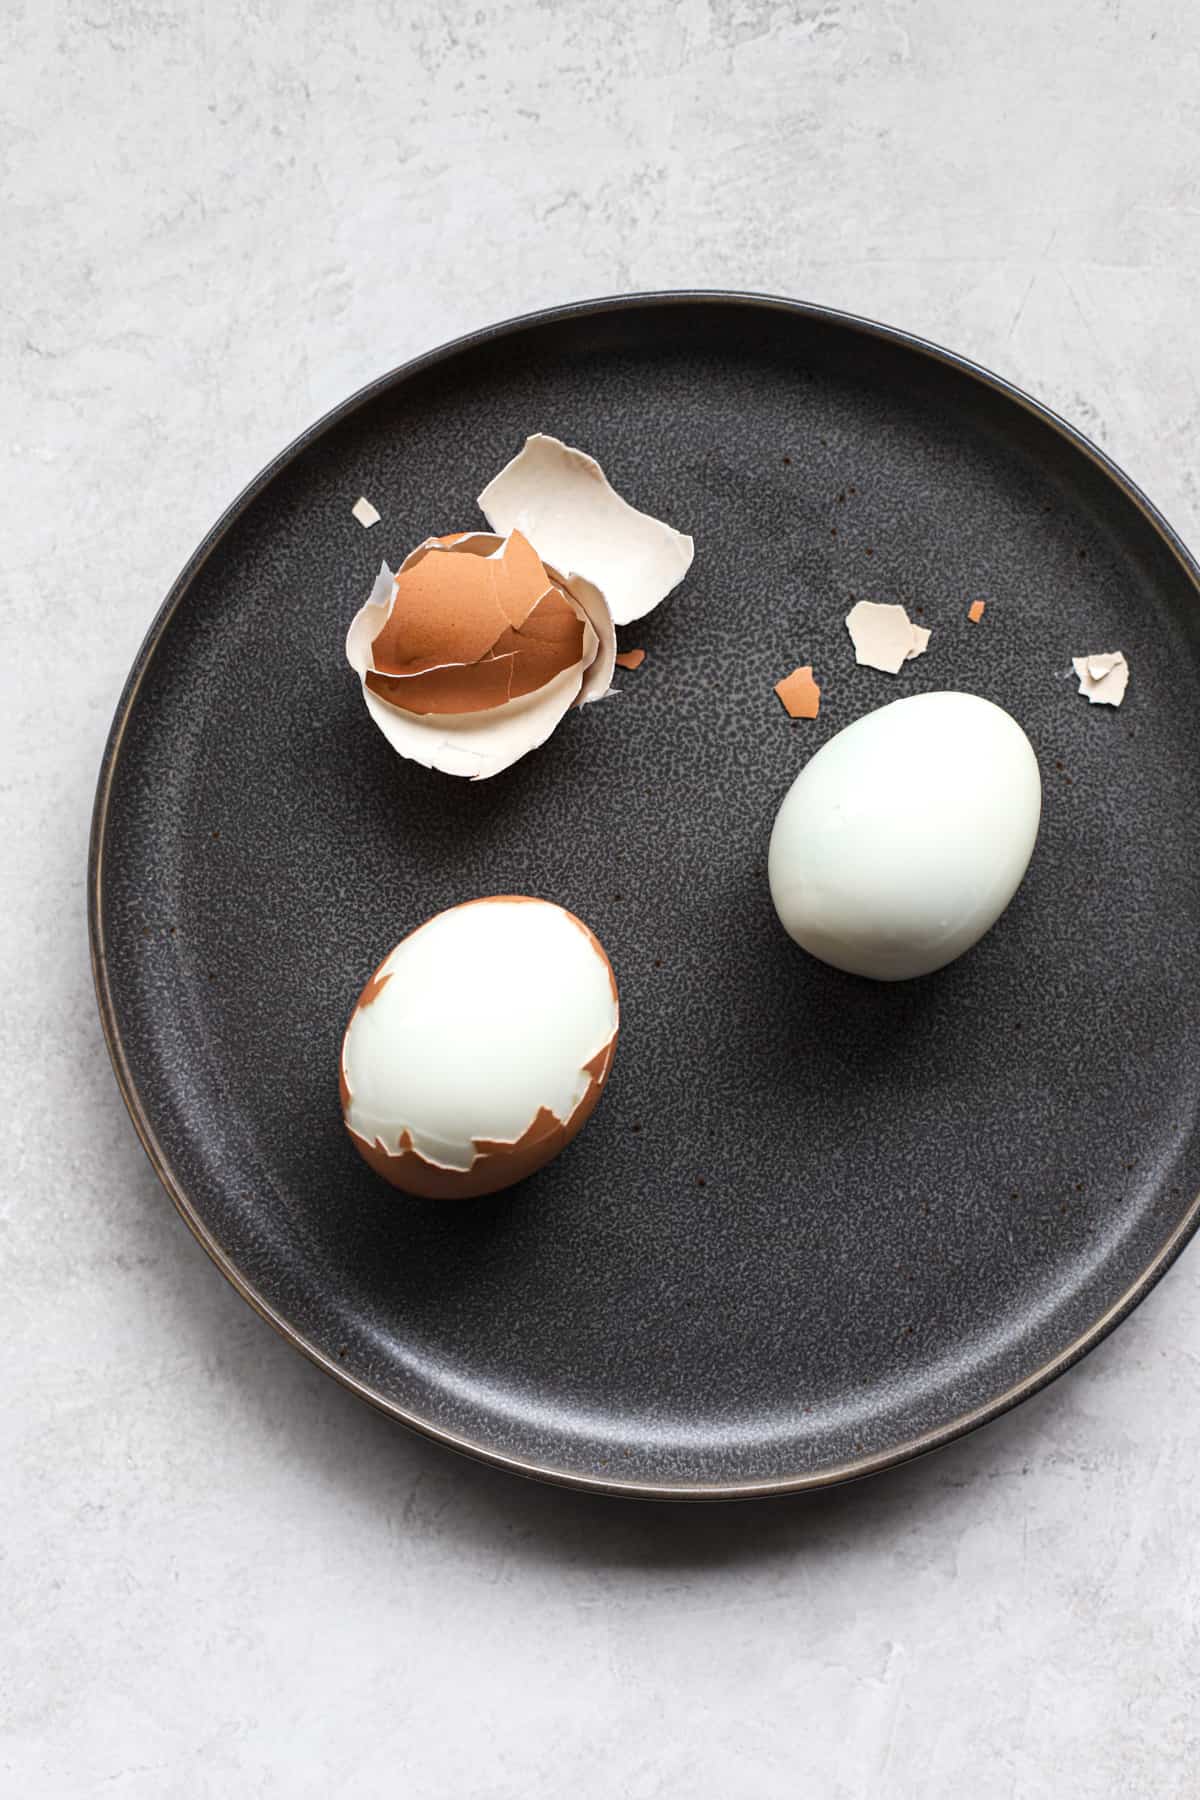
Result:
[
  {"x": 470, "y": 655},
  {"x": 479, "y": 1047},
  {"x": 563, "y": 502}
]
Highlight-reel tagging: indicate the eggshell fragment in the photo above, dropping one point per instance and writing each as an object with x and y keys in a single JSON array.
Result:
[
  {"x": 479, "y": 1047},
  {"x": 1102, "y": 678},
  {"x": 364, "y": 512},
  {"x": 597, "y": 677},
  {"x": 799, "y": 693},
  {"x": 562, "y": 500},
  {"x": 884, "y": 637},
  {"x": 472, "y": 653},
  {"x": 631, "y": 659}
]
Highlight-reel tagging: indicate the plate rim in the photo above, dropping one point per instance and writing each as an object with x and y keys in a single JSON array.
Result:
[{"x": 713, "y": 1490}]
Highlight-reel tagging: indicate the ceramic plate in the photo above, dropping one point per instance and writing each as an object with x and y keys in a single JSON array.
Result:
[{"x": 817, "y": 1225}]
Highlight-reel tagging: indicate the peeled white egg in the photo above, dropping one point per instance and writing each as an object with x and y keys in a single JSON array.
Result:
[
  {"x": 904, "y": 838},
  {"x": 479, "y": 1047}
]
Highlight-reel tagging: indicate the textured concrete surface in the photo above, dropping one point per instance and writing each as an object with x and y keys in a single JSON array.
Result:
[{"x": 220, "y": 1576}]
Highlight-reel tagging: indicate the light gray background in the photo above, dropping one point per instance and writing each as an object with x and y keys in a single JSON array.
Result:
[{"x": 221, "y": 1576}]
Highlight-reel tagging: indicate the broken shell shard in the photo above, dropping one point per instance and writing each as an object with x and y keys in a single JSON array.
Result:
[
  {"x": 479, "y": 1047},
  {"x": 800, "y": 693},
  {"x": 563, "y": 502},
  {"x": 884, "y": 637},
  {"x": 1102, "y": 678},
  {"x": 597, "y": 677},
  {"x": 470, "y": 655}
]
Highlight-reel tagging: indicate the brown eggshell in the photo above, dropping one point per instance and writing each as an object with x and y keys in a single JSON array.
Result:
[
  {"x": 452, "y": 605},
  {"x": 800, "y": 694},
  {"x": 497, "y": 1164},
  {"x": 450, "y": 597},
  {"x": 475, "y": 687},
  {"x": 474, "y": 719}
]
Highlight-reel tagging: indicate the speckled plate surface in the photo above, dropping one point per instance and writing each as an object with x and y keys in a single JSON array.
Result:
[{"x": 817, "y": 1225}]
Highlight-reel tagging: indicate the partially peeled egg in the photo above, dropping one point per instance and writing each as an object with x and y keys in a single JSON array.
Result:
[{"x": 479, "y": 1047}]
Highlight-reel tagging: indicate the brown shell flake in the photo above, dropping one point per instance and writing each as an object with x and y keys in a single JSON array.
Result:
[
  {"x": 800, "y": 694},
  {"x": 469, "y": 631}
]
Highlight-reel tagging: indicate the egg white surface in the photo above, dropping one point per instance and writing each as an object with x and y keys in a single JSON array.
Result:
[
  {"x": 905, "y": 837},
  {"x": 490, "y": 1012}
]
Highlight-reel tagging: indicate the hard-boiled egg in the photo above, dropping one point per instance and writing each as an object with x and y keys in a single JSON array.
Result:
[
  {"x": 904, "y": 838},
  {"x": 479, "y": 1047}
]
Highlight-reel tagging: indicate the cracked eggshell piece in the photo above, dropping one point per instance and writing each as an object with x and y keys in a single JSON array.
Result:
[
  {"x": 479, "y": 1047},
  {"x": 800, "y": 693},
  {"x": 903, "y": 839},
  {"x": 884, "y": 637},
  {"x": 598, "y": 676},
  {"x": 1102, "y": 678},
  {"x": 563, "y": 502},
  {"x": 472, "y": 653}
]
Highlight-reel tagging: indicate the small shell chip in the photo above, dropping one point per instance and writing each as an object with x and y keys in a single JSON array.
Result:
[
  {"x": 884, "y": 637},
  {"x": 1103, "y": 678}
]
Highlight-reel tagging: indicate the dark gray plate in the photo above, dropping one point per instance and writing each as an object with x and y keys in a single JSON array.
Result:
[{"x": 817, "y": 1225}]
